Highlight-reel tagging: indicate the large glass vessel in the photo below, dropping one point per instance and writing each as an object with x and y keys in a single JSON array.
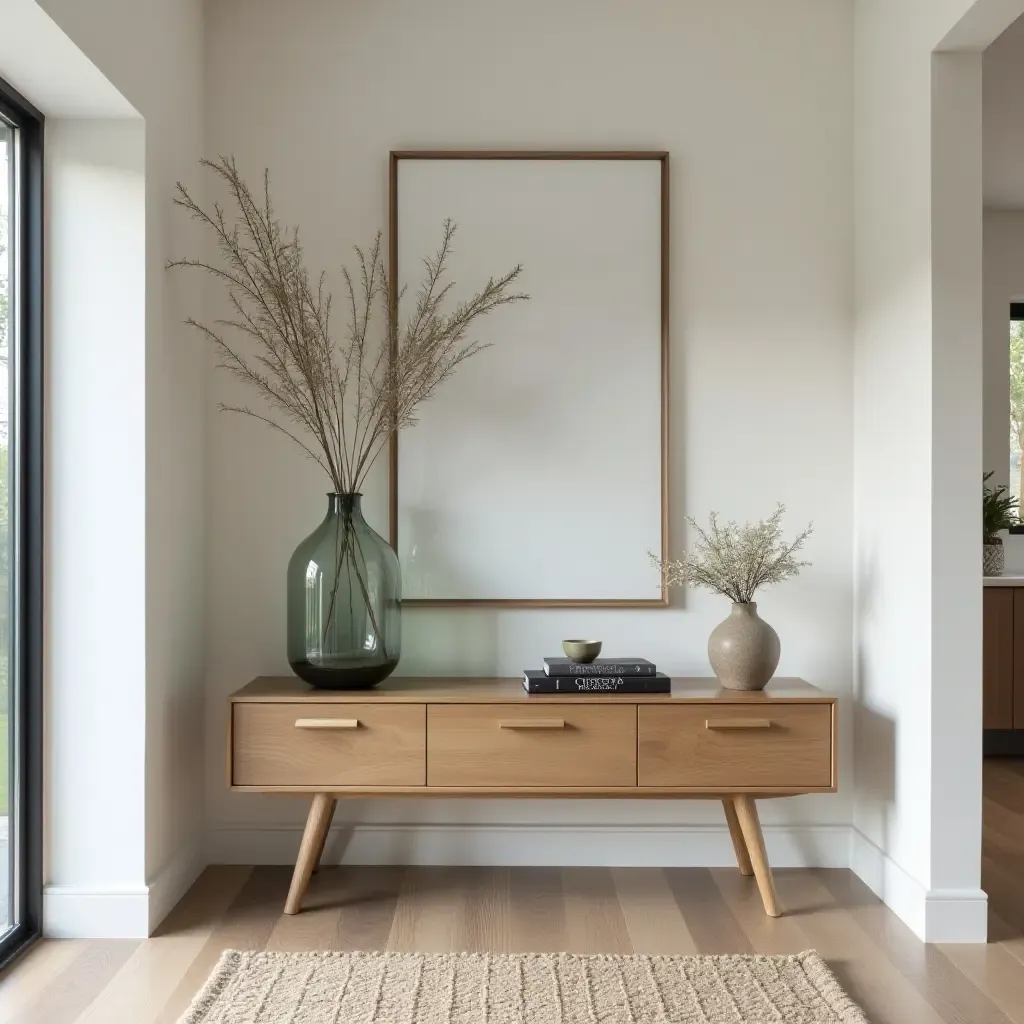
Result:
[{"x": 344, "y": 602}]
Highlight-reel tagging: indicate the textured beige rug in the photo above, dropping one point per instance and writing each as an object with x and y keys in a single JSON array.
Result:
[{"x": 533, "y": 988}]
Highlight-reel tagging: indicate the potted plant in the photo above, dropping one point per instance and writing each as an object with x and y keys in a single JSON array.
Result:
[
  {"x": 999, "y": 511},
  {"x": 737, "y": 561}
]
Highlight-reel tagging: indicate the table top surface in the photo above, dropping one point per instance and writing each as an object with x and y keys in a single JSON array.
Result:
[{"x": 476, "y": 690}]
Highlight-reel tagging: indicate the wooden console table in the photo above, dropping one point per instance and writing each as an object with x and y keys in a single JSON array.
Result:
[{"x": 488, "y": 738}]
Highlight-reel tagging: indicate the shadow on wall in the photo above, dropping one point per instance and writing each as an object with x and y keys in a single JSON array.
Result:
[
  {"x": 875, "y": 757},
  {"x": 874, "y": 733}
]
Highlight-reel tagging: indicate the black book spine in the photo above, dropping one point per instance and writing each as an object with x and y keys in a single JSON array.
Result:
[
  {"x": 597, "y": 684},
  {"x": 574, "y": 670}
]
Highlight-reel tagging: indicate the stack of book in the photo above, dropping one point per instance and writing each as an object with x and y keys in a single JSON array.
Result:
[{"x": 603, "y": 675}]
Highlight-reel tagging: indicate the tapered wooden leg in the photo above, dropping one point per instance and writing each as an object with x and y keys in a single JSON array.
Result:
[
  {"x": 739, "y": 844},
  {"x": 750, "y": 824},
  {"x": 313, "y": 837},
  {"x": 323, "y": 835}
]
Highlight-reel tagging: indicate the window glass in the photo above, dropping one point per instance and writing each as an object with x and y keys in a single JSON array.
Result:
[
  {"x": 6, "y": 181},
  {"x": 1016, "y": 404}
]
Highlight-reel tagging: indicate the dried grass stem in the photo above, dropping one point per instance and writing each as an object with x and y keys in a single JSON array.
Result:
[{"x": 339, "y": 400}]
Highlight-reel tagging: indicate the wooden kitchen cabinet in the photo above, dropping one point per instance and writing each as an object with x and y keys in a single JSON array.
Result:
[
  {"x": 1003, "y": 609},
  {"x": 1018, "y": 658},
  {"x": 1003, "y": 660}
]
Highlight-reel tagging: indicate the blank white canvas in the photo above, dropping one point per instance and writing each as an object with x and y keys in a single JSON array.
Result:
[{"x": 535, "y": 473}]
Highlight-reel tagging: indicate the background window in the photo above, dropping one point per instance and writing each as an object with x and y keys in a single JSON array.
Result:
[
  {"x": 1016, "y": 395},
  {"x": 21, "y": 140}
]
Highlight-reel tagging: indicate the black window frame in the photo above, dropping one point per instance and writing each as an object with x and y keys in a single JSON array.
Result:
[
  {"x": 25, "y": 455},
  {"x": 1017, "y": 310}
]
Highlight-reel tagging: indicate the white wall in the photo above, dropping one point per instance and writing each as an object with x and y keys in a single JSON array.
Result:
[
  {"x": 754, "y": 103},
  {"x": 148, "y": 533},
  {"x": 918, "y": 198},
  {"x": 1003, "y": 77},
  {"x": 95, "y": 490},
  {"x": 1003, "y": 123},
  {"x": 1004, "y": 283},
  {"x": 892, "y": 389}
]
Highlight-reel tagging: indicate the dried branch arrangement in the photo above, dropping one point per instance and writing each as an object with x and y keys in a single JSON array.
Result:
[
  {"x": 736, "y": 561},
  {"x": 341, "y": 400}
]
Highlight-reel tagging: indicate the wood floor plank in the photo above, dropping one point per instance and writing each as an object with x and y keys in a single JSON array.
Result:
[
  {"x": 74, "y": 988},
  {"x": 994, "y": 971},
  {"x": 653, "y": 918},
  {"x": 707, "y": 915},
  {"x": 206, "y": 901},
  {"x": 950, "y": 992},
  {"x": 767, "y": 935},
  {"x": 425, "y": 912},
  {"x": 537, "y": 922},
  {"x": 593, "y": 916},
  {"x": 246, "y": 924},
  {"x": 483, "y": 920},
  {"x": 148, "y": 979},
  {"x": 1005, "y": 891},
  {"x": 21, "y": 984},
  {"x": 885, "y": 995},
  {"x": 367, "y": 912},
  {"x": 317, "y": 926}
]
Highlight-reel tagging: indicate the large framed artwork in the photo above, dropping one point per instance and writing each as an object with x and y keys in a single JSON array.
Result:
[{"x": 537, "y": 476}]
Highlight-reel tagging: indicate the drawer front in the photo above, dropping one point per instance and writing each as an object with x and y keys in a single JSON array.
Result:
[
  {"x": 556, "y": 745},
  {"x": 736, "y": 746},
  {"x": 328, "y": 745}
]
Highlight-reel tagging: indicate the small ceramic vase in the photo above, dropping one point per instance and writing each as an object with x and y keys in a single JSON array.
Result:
[{"x": 744, "y": 650}]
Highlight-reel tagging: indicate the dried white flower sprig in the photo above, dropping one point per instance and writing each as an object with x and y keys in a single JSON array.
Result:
[{"x": 736, "y": 561}]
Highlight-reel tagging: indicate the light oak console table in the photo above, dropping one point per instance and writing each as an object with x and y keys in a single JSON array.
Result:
[{"x": 464, "y": 737}]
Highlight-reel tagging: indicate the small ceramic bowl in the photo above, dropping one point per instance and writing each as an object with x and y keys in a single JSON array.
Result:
[{"x": 583, "y": 651}]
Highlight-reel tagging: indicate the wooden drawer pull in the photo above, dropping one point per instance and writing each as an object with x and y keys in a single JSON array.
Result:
[
  {"x": 532, "y": 723},
  {"x": 326, "y": 723},
  {"x": 738, "y": 723}
]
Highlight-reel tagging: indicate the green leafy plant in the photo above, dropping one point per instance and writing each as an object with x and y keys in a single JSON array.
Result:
[{"x": 999, "y": 510}]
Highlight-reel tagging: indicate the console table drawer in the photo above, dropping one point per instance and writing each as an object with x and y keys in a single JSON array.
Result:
[
  {"x": 736, "y": 746},
  {"x": 326, "y": 744},
  {"x": 516, "y": 745}
]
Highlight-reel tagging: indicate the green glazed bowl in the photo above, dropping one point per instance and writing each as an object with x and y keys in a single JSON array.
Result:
[{"x": 584, "y": 651}]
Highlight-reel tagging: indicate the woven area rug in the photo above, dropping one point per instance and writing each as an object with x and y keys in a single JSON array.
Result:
[{"x": 533, "y": 988}]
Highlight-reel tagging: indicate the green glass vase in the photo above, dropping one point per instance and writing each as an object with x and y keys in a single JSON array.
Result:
[{"x": 344, "y": 602}]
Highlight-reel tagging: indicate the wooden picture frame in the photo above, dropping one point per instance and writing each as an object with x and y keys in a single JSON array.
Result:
[{"x": 658, "y": 358}]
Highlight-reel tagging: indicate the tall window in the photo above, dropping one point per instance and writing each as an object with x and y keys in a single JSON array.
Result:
[
  {"x": 21, "y": 141},
  {"x": 1016, "y": 397}
]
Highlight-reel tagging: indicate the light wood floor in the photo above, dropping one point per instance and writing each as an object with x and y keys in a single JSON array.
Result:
[{"x": 896, "y": 978}]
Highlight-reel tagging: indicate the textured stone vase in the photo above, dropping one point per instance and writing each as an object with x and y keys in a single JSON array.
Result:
[
  {"x": 744, "y": 650},
  {"x": 994, "y": 559}
]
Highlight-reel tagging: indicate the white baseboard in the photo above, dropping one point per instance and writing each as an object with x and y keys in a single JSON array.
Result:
[
  {"x": 173, "y": 881},
  {"x": 532, "y": 845},
  {"x": 956, "y": 915},
  {"x": 934, "y": 915},
  {"x": 128, "y": 912},
  {"x": 84, "y": 912}
]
